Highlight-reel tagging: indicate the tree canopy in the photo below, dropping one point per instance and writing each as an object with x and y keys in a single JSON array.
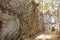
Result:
[{"x": 45, "y": 5}]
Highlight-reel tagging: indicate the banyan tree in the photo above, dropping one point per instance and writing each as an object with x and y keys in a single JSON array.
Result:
[{"x": 18, "y": 18}]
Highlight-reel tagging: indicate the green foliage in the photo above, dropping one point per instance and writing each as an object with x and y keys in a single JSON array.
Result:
[{"x": 45, "y": 5}]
